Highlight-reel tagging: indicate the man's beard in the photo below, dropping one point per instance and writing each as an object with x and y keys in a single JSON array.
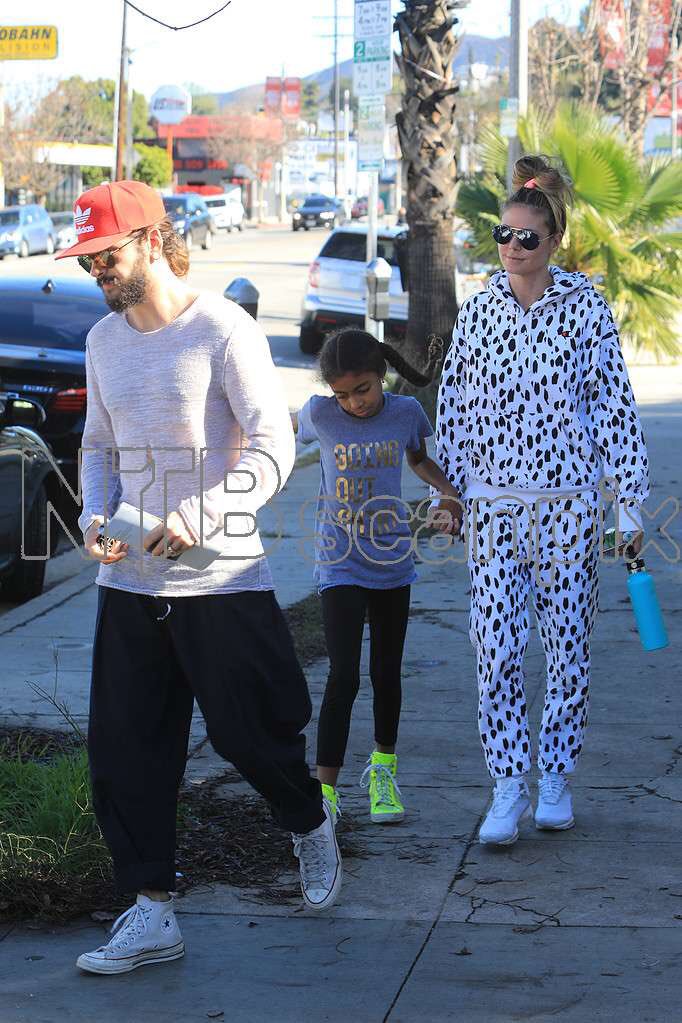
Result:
[{"x": 129, "y": 292}]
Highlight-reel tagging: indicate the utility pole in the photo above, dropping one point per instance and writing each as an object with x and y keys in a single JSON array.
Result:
[
  {"x": 346, "y": 151},
  {"x": 337, "y": 97},
  {"x": 129, "y": 121},
  {"x": 122, "y": 99},
  {"x": 518, "y": 75}
]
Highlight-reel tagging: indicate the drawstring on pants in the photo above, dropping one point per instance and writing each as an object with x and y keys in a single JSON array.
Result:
[{"x": 166, "y": 613}]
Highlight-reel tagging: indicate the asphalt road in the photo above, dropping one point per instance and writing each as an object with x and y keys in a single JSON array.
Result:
[{"x": 276, "y": 260}]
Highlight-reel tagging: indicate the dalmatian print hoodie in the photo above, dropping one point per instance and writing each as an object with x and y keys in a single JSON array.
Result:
[{"x": 541, "y": 399}]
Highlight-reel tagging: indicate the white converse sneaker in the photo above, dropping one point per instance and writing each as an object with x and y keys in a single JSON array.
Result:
[
  {"x": 511, "y": 803},
  {"x": 319, "y": 861},
  {"x": 146, "y": 933},
  {"x": 555, "y": 809}
]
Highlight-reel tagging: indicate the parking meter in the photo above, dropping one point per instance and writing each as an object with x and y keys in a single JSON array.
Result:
[
  {"x": 245, "y": 294},
  {"x": 378, "y": 276}
]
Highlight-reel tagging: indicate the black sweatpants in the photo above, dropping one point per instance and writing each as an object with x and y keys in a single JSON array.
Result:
[
  {"x": 152, "y": 657},
  {"x": 344, "y": 609}
]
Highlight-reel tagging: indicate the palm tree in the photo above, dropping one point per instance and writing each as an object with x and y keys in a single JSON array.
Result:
[
  {"x": 620, "y": 228},
  {"x": 427, "y": 136}
]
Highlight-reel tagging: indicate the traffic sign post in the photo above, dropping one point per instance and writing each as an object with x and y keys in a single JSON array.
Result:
[{"x": 372, "y": 79}]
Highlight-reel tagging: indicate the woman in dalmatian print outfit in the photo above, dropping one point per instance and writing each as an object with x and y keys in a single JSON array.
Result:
[{"x": 536, "y": 421}]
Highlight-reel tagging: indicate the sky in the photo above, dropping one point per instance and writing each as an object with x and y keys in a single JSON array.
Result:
[{"x": 248, "y": 41}]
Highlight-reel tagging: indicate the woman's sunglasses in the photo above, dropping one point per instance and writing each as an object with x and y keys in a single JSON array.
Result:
[
  {"x": 106, "y": 256},
  {"x": 527, "y": 238}
]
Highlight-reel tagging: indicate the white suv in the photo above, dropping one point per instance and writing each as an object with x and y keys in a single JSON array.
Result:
[
  {"x": 226, "y": 209},
  {"x": 335, "y": 294}
]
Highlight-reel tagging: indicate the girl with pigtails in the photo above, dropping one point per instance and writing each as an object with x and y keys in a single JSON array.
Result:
[{"x": 364, "y": 562}]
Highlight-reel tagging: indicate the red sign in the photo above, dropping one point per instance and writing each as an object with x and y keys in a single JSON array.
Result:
[
  {"x": 660, "y": 16},
  {"x": 662, "y": 105},
  {"x": 291, "y": 97},
  {"x": 612, "y": 33},
  {"x": 273, "y": 95}
]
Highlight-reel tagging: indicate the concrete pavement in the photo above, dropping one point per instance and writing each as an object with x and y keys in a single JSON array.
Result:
[{"x": 582, "y": 925}]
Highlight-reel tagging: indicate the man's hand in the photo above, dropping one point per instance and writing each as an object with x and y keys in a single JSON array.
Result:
[
  {"x": 446, "y": 517},
  {"x": 117, "y": 550},
  {"x": 172, "y": 541}
]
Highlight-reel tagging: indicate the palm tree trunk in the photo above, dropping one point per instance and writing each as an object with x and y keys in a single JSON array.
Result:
[{"x": 427, "y": 133}]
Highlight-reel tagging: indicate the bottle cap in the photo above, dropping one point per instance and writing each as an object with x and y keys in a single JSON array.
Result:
[{"x": 636, "y": 565}]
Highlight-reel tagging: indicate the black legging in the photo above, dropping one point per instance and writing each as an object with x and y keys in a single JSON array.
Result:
[{"x": 344, "y": 609}]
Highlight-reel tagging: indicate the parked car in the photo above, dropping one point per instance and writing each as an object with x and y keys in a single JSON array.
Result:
[
  {"x": 65, "y": 229},
  {"x": 359, "y": 208},
  {"x": 27, "y": 483},
  {"x": 227, "y": 210},
  {"x": 191, "y": 218},
  {"x": 318, "y": 211},
  {"x": 25, "y": 230},
  {"x": 43, "y": 326},
  {"x": 335, "y": 295}
]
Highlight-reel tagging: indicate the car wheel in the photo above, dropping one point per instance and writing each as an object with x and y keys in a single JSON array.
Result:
[
  {"x": 309, "y": 340},
  {"x": 24, "y": 249},
  {"x": 208, "y": 241},
  {"x": 49, "y": 245},
  {"x": 189, "y": 241},
  {"x": 240, "y": 227},
  {"x": 294, "y": 227},
  {"x": 27, "y": 577},
  {"x": 229, "y": 228}
]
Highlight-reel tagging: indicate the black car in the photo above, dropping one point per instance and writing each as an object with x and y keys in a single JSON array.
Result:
[
  {"x": 319, "y": 211},
  {"x": 27, "y": 483},
  {"x": 43, "y": 326},
  {"x": 191, "y": 218}
]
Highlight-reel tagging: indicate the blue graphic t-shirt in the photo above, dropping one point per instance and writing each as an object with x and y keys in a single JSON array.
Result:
[{"x": 362, "y": 528}]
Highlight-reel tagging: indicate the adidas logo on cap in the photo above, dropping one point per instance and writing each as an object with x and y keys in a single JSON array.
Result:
[{"x": 81, "y": 217}]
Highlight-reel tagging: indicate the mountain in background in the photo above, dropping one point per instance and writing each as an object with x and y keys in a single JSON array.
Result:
[{"x": 474, "y": 49}]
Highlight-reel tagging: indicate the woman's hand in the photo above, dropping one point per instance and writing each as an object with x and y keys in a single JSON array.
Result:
[
  {"x": 170, "y": 542},
  {"x": 446, "y": 516},
  {"x": 96, "y": 551},
  {"x": 632, "y": 546}
]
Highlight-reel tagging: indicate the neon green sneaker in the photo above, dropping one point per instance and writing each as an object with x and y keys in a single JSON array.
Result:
[
  {"x": 331, "y": 796},
  {"x": 384, "y": 801}
]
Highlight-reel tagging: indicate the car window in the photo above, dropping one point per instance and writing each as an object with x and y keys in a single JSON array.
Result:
[
  {"x": 50, "y": 321},
  {"x": 215, "y": 202},
  {"x": 62, "y": 219},
  {"x": 175, "y": 205},
  {"x": 309, "y": 203},
  {"x": 9, "y": 217},
  {"x": 351, "y": 246}
]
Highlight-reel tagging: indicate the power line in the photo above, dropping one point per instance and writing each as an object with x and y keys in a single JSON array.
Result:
[{"x": 176, "y": 28}]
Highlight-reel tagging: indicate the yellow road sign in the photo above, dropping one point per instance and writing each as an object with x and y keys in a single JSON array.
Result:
[{"x": 28, "y": 42}]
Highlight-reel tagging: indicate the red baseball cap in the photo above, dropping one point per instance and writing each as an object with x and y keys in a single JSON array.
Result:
[{"x": 106, "y": 214}]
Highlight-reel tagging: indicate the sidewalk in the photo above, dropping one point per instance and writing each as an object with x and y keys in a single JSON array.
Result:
[{"x": 583, "y": 925}]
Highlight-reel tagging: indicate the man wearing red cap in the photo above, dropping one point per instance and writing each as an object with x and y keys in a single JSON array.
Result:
[{"x": 176, "y": 381}]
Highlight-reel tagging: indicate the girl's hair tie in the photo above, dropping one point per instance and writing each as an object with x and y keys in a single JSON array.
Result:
[{"x": 531, "y": 183}]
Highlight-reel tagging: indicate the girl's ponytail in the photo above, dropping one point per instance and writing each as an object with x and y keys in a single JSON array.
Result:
[{"x": 350, "y": 350}]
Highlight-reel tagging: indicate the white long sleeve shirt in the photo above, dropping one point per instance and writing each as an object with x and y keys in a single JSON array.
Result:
[
  {"x": 200, "y": 425},
  {"x": 539, "y": 400}
]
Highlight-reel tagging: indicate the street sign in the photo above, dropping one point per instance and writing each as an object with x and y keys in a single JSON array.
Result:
[
  {"x": 371, "y": 130},
  {"x": 28, "y": 42},
  {"x": 509, "y": 117},
  {"x": 170, "y": 104},
  {"x": 373, "y": 53}
]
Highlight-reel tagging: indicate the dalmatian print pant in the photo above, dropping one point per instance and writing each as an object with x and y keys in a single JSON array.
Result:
[{"x": 549, "y": 552}]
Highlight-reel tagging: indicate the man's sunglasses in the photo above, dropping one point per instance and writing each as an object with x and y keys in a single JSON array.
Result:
[
  {"x": 106, "y": 256},
  {"x": 530, "y": 240}
]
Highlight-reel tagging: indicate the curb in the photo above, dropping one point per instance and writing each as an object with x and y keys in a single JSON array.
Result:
[
  {"x": 304, "y": 456},
  {"x": 47, "y": 602}
]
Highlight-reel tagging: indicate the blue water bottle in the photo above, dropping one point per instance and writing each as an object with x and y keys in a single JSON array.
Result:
[{"x": 645, "y": 606}]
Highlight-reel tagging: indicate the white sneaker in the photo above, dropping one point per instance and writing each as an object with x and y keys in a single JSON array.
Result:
[
  {"x": 319, "y": 861},
  {"x": 511, "y": 803},
  {"x": 146, "y": 933},
  {"x": 555, "y": 808}
]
